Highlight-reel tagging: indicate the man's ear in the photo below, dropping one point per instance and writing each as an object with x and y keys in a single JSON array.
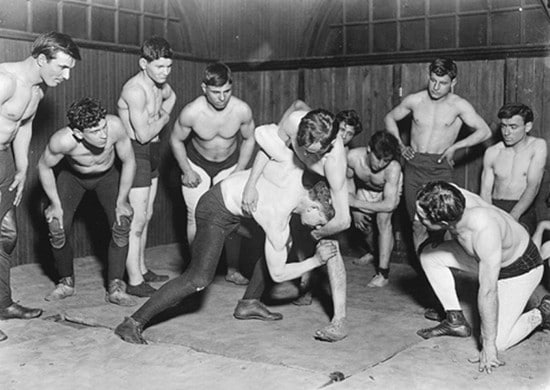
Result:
[
  {"x": 203, "y": 87},
  {"x": 142, "y": 63},
  {"x": 41, "y": 60},
  {"x": 528, "y": 126},
  {"x": 453, "y": 84},
  {"x": 77, "y": 134}
]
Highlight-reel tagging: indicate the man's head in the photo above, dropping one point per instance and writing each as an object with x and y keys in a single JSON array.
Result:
[
  {"x": 516, "y": 120},
  {"x": 349, "y": 125},
  {"x": 439, "y": 204},
  {"x": 442, "y": 77},
  {"x": 319, "y": 209},
  {"x": 87, "y": 121},
  {"x": 383, "y": 147},
  {"x": 156, "y": 59},
  {"x": 316, "y": 132},
  {"x": 56, "y": 54},
  {"x": 217, "y": 85}
]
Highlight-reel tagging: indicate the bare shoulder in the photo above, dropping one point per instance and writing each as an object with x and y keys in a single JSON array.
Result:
[
  {"x": 8, "y": 82},
  {"x": 356, "y": 154},
  {"x": 393, "y": 168},
  {"x": 116, "y": 127},
  {"x": 495, "y": 149},
  {"x": 62, "y": 141},
  {"x": 537, "y": 144},
  {"x": 191, "y": 110},
  {"x": 131, "y": 89},
  {"x": 460, "y": 102},
  {"x": 414, "y": 99}
]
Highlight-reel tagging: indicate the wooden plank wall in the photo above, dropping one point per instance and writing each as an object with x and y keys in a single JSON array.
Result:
[{"x": 100, "y": 74}]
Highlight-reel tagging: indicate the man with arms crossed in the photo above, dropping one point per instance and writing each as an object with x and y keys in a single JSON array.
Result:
[
  {"x": 218, "y": 214},
  {"x": 144, "y": 107},
  {"x": 22, "y": 86},
  {"x": 206, "y": 142},
  {"x": 513, "y": 168},
  {"x": 89, "y": 145},
  {"x": 487, "y": 242},
  {"x": 379, "y": 183},
  {"x": 437, "y": 116},
  {"x": 314, "y": 140}
]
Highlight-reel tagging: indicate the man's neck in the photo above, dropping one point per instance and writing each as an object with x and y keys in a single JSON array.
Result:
[{"x": 30, "y": 72}]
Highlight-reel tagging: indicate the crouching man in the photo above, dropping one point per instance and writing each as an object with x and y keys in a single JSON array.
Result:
[
  {"x": 490, "y": 243},
  {"x": 89, "y": 144}
]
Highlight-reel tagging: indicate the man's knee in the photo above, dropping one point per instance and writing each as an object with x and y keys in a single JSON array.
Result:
[
  {"x": 200, "y": 282},
  {"x": 139, "y": 221},
  {"x": 56, "y": 234},
  {"x": 383, "y": 221},
  {"x": 121, "y": 232}
]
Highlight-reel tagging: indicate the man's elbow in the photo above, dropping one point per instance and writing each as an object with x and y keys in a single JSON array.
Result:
[
  {"x": 277, "y": 276},
  {"x": 343, "y": 223}
]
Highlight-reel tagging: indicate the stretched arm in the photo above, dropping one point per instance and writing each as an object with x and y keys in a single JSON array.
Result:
[
  {"x": 180, "y": 132},
  {"x": 49, "y": 159},
  {"x": 247, "y": 146},
  {"x": 21, "y": 144},
  {"x": 145, "y": 128},
  {"x": 125, "y": 153},
  {"x": 534, "y": 179},
  {"x": 488, "y": 249},
  {"x": 487, "y": 177}
]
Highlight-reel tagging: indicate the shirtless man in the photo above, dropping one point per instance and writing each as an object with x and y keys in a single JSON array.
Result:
[
  {"x": 488, "y": 242},
  {"x": 379, "y": 181},
  {"x": 437, "y": 116},
  {"x": 513, "y": 168},
  {"x": 144, "y": 107},
  {"x": 89, "y": 145},
  {"x": 212, "y": 138},
  {"x": 349, "y": 125},
  {"x": 219, "y": 213},
  {"x": 314, "y": 140},
  {"x": 22, "y": 86}
]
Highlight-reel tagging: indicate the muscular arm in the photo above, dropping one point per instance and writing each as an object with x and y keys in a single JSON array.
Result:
[
  {"x": 392, "y": 194},
  {"x": 534, "y": 178},
  {"x": 169, "y": 99},
  {"x": 125, "y": 153},
  {"x": 179, "y": 134},
  {"x": 247, "y": 146},
  {"x": 145, "y": 128},
  {"x": 487, "y": 177},
  {"x": 21, "y": 144},
  {"x": 335, "y": 173},
  {"x": 52, "y": 155},
  {"x": 398, "y": 113},
  {"x": 472, "y": 119},
  {"x": 487, "y": 244}
]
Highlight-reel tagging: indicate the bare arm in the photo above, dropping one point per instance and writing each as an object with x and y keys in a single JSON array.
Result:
[
  {"x": 335, "y": 173},
  {"x": 145, "y": 128},
  {"x": 52, "y": 155},
  {"x": 125, "y": 153},
  {"x": 534, "y": 179},
  {"x": 180, "y": 132},
  {"x": 487, "y": 177},
  {"x": 471, "y": 119},
  {"x": 542, "y": 226},
  {"x": 487, "y": 244},
  {"x": 21, "y": 144},
  {"x": 247, "y": 146},
  {"x": 398, "y": 113},
  {"x": 276, "y": 252},
  {"x": 169, "y": 99},
  {"x": 392, "y": 194}
]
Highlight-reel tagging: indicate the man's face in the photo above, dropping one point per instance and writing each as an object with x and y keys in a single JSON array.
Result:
[
  {"x": 158, "y": 70},
  {"x": 346, "y": 132},
  {"x": 514, "y": 130},
  {"x": 218, "y": 97},
  {"x": 425, "y": 221},
  {"x": 97, "y": 135},
  {"x": 439, "y": 86},
  {"x": 56, "y": 70},
  {"x": 376, "y": 164},
  {"x": 313, "y": 217}
]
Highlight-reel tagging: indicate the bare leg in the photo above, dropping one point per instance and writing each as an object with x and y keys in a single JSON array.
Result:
[
  {"x": 385, "y": 247},
  {"x": 367, "y": 258},
  {"x": 139, "y": 199},
  {"x": 337, "y": 330},
  {"x": 148, "y": 216}
]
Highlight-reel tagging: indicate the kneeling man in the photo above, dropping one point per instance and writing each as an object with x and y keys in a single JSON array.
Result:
[
  {"x": 218, "y": 214},
  {"x": 489, "y": 242}
]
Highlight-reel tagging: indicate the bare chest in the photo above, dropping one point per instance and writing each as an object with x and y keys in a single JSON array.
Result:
[
  {"x": 23, "y": 104},
  {"x": 208, "y": 127}
]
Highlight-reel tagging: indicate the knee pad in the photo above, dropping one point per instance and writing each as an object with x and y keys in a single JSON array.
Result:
[
  {"x": 8, "y": 233},
  {"x": 57, "y": 234},
  {"x": 121, "y": 232}
]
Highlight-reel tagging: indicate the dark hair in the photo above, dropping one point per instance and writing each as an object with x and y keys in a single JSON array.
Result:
[
  {"x": 350, "y": 118},
  {"x": 444, "y": 66},
  {"x": 154, "y": 48},
  {"x": 85, "y": 113},
  {"x": 317, "y": 126},
  {"x": 53, "y": 42},
  {"x": 321, "y": 193},
  {"x": 441, "y": 201},
  {"x": 384, "y": 145},
  {"x": 217, "y": 75},
  {"x": 509, "y": 110}
]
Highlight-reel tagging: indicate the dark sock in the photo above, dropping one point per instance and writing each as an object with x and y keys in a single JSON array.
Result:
[{"x": 384, "y": 272}]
